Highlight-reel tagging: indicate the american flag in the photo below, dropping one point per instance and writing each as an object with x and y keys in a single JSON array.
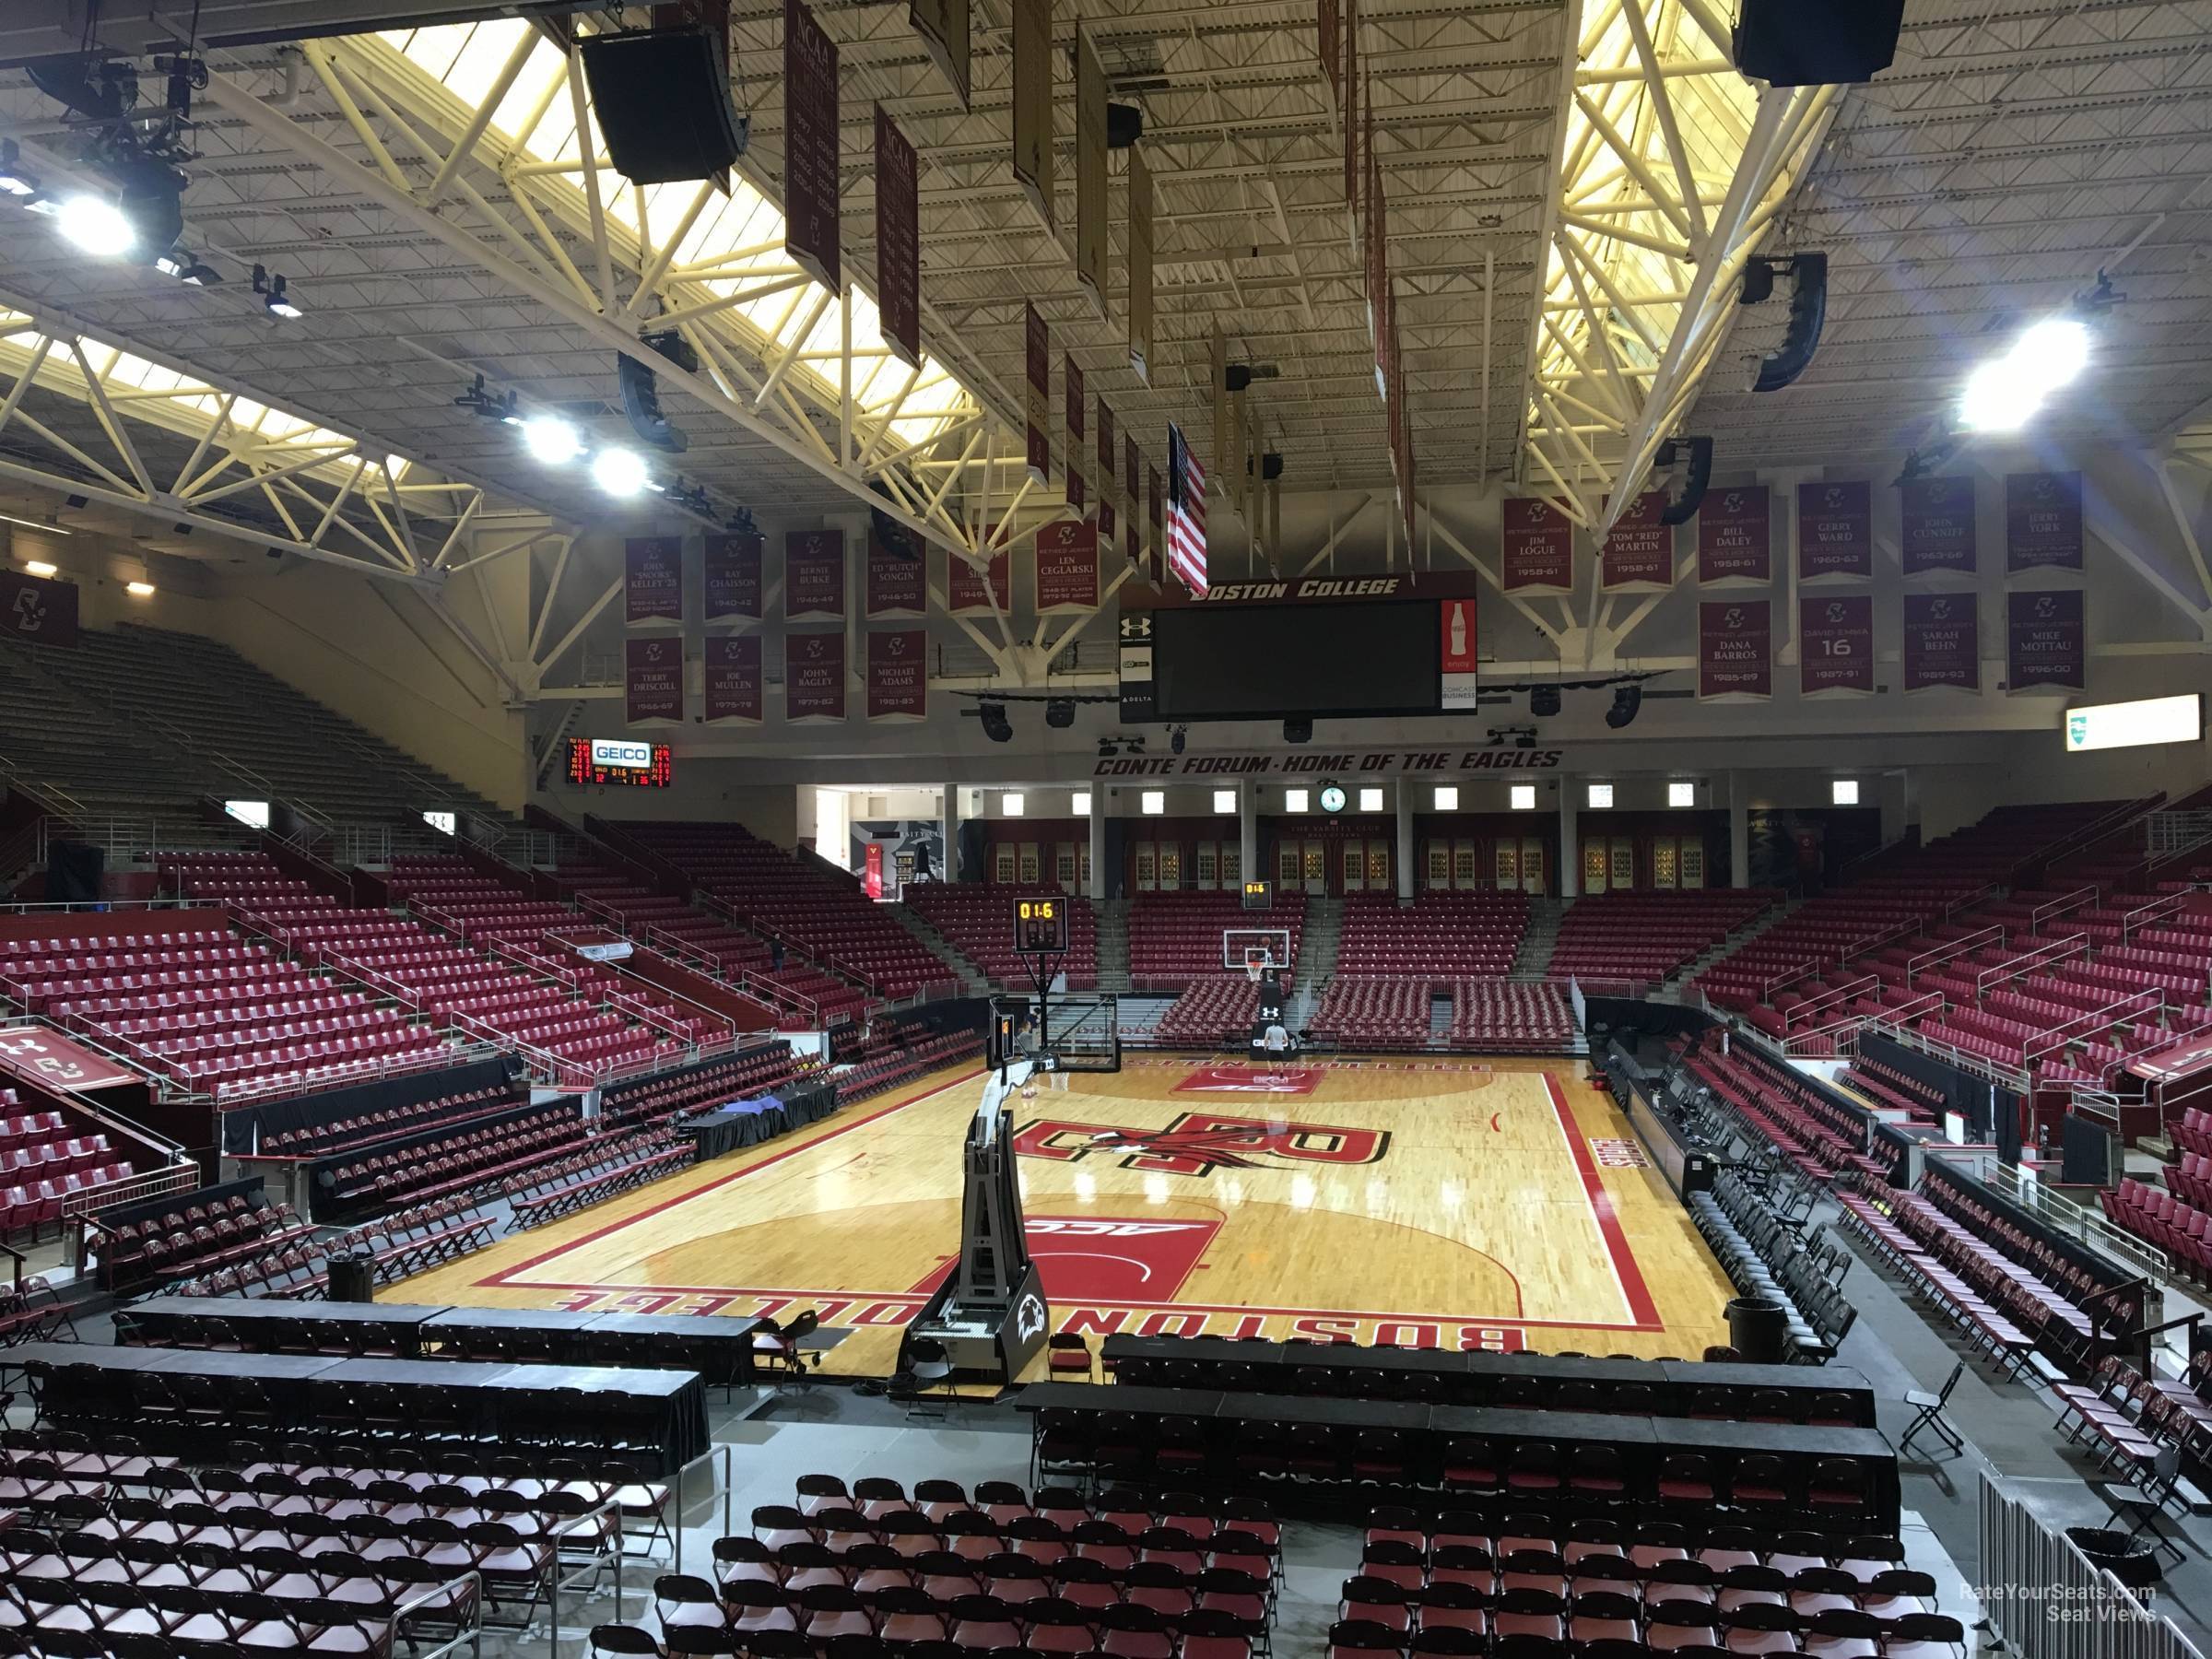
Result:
[{"x": 1185, "y": 521}]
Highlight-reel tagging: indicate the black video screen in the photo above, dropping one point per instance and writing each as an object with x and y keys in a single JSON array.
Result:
[{"x": 1264, "y": 662}]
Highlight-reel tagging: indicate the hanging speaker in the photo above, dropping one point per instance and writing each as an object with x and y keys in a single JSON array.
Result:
[
  {"x": 1696, "y": 473},
  {"x": 1808, "y": 312},
  {"x": 663, "y": 100},
  {"x": 1817, "y": 42}
]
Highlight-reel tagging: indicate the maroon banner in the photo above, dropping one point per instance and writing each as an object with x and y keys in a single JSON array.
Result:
[
  {"x": 1133, "y": 492},
  {"x": 810, "y": 177},
  {"x": 1736, "y": 536},
  {"x": 1835, "y": 530},
  {"x": 653, "y": 579},
  {"x": 1158, "y": 540},
  {"x": 38, "y": 610},
  {"x": 1077, "y": 495},
  {"x": 1536, "y": 549},
  {"x": 1105, "y": 475},
  {"x": 1835, "y": 644},
  {"x": 964, "y": 590},
  {"x": 1939, "y": 524},
  {"x": 48, "y": 1057},
  {"x": 730, "y": 576},
  {"x": 814, "y": 677},
  {"x": 734, "y": 677},
  {"x": 1641, "y": 551},
  {"x": 899, "y": 675},
  {"x": 2045, "y": 641},
  {"x": 1943, "y": 642},
  {"x": 898, "y": 242},
  {"x": 896, "y": 586},
  {"x": 813, "y": 572},
  {"x": 2042, "y": 521},
  {"x": 653, "y": 679},
  {"x": 1067, "y": 566},
  {"x": 1735, "y": 648},
  {"x": 1037, "y": 351}
]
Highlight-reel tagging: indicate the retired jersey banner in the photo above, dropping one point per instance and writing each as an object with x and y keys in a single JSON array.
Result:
[
  {"x": 1835, "y": 530},
  {"x": 898, "y": 242},
  {"x": 1133, "y": 499},
  {"x": 1067, "y": 566},
  {"x": 813, "y": 572},
  {"x": 965, "y": 593},
  {"x": 1937, "y": 519},
  {"x": 1735, "y": 648},
  {"x": 1943, "y": 642},
  {"x": 943, "y": 26},
  {"x": 36, "y": 610},
  {"x": 1140, "y": 265},
  {"x": 1033, "y": 104},
  {"x": 2042, "y": 521},
  {"x": 653, "y": 679},
  {"x": 733, "y": 678},
  {"x": 1090, "y": 170},
  {"x": 1641, "y": 551},
  {"x": 811, "y": 223},
  {"x": 1536, "y": 545},
  {"x": 898, "y": 586},
  {"x": 730, "y": 576},
  {"x": 814, "y": 677},
  {"x": 1077, "y": 492},
  {"x": 1835, "y": 644},
  {"x": 1736, "y": 536},
  {"x": 1106, "y": 484},
  {"x": 653, "y": 579},
  {"x": 1037, "y": 402},
  {"x": 2045, "y": 642},
  {"x": 899, "y": 675}
]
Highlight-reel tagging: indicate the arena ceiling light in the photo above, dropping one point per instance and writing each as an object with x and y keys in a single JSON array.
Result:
[
  {"x": 2004, "y": 394},
  {"x": 551, "y": 440},
  {"x": 620, "y": 472},
  {"x": 14, "y": 180},
  {"x": 273, "y": 295},
  {"x": 91, "y": 224}
]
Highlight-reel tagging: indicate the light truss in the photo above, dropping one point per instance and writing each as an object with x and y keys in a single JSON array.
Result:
[{"x": 1673, "y": 169}]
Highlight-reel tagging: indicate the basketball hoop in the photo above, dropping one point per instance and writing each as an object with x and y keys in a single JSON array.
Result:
[{"x": 1256, "y": 965}]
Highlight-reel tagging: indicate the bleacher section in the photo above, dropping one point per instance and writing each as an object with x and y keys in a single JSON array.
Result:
[
  {"x": 973, "y": 920},
  {"x": 1641, "y": 938},
  {"x": 41, "y": 1164},
  {"x": 1500, "y": 1015},
  {"x": 1213, "y": 1013},
  {"x": 194, "y": 1234},
  {"x": 1441, "y": 935},
  {"x": 1511, "y": 1016},
  {"x": 1175, "y": 938},
  {"x": 1820, "y": 1138},
  {"x": 750, "y": 1072}
]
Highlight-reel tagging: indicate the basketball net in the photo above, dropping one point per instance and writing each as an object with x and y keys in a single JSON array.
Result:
[{"x": 1256, "y": 964}]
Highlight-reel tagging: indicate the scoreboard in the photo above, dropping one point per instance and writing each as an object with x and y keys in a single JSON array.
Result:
[
  {"x": 1041, "y": 926},
  {"x": 619, "y": 760}
]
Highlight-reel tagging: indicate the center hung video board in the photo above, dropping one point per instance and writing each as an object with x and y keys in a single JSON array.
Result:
[{"x": 617, "y": 760}]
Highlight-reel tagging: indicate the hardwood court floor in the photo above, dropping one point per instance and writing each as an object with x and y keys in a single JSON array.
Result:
[{"x": 1428, "y": 1201}]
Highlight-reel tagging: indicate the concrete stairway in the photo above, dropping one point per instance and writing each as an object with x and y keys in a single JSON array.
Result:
[
  {"x": 1113, "y": 945},
  {"x": 972, "y": 983},
  {"x": 1542, "y": 936},
  {"x": 1318, "y": 944},
  {"x": 1729, "y": 946}
]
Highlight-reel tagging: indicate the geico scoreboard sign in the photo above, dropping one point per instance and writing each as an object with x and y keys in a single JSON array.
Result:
[
  {"x": 615, "y": 751},
  {"x": 1299, "y": 763}
]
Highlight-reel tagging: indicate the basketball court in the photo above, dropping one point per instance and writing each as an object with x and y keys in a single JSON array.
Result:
[{"x": 1433, "y": 1203}]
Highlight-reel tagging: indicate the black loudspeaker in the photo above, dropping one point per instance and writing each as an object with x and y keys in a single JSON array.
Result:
[
  {"x": 1817, "y": 42},
  {"x": 1808, "y": 314},
  {"x": 74, "y": 872},
  {"x": 1696, "y": 474},
  {"x": 663, "y": 100}
]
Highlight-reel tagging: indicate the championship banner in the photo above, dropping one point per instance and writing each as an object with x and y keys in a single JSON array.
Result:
[
  {"x": 1090, "y": 170},
  {"x": 2042, "y": 521},
  {"x": 898, "y": 242},
  {"x": 810, "y": 177},
  {"x": 1835, "y": 645},
  {"x": 813, "y": 572},
  {"x": 652, "y": 679},
  {"x": 1140, "y": 265},
  {"x": 1943, "y": 642},
  {"x": 1078, "y": 491},
  {"x": 1217, "y": 367},
  {"x": 1067, "y": 567},
  {"x": 1835, "y": 530},
  {"x": 32, "y": 609},
  {"x": 1640, "y": 553},
  {"x": 733, "y": 678},
  {"x": 1106, "y": 485},
  {"x": 1158, "y": 512},
  {"x": 813, "y": 677},
  {"x": 1133, "y": 496},
  {"x": 1735, "y": 655},
  {"x": 730, "y": 576},
  {"x": 898, "y": 586},
  {"x": 1033, "y": 104},
  {"x": 1736, "y": 536},
  {"x": 1939, "y": 526},
  {"x": 1037, "y": 402},
  {"x": 1353, "y": 168},
  {"x": 2045, "y": 641},
  {"x": 1329, "y": 45},
  {"x": 965, "y": 593},
  {"x": 1536, "y": 549},
  {"x": 943, "y": 26},
  {"x": 653, "y": 579},
  {"x": 899, "y": 675}
]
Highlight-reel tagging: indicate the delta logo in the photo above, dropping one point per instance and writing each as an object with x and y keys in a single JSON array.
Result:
[{"x": 1198, "y": 1142}]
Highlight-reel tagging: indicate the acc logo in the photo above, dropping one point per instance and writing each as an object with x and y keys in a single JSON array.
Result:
[{"x": 1197, "y": 1143}]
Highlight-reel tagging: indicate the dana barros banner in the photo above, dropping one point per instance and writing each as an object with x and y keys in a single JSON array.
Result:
[
  {"x": 1937, "y": 519},
  {"x": 1736, "y": 534},
  {"x": 1835, "y": 644},
  {"x": 1835, "y": 530},
  {"x": 732, "y": 675},
  {"x": 813, "y": 677},
  {"x": 1943, "y": 642},
  {"x": 652, "y": 679},
  {"x": 899, "y": 675},
  {"x": 814, "y": 573},
  {"x": 730, "y": 576},
  {"x": 653, "y": 579},
  {"x": 2042, "y": 521},
  {"x": 898, "y": 586},
  {"x": 1735, "y": 656},
  {"x": 1536, "y": 549},
  {"x": 1641, "y": 551},
  {"x": 1067, "y": 567},
  {"x": 2045, "y": 642}
]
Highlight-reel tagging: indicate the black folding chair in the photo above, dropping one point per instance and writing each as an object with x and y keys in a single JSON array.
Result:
[{"x": 1930, "y": 1407}]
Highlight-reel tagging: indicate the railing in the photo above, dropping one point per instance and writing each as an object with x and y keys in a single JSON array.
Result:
[
  {"x": 2055, "y": 908},
  {"x": 361, "y": 845},
  {"x": 2040, "y": 961},
  {"x": 88, "y": 1201},
  {"x": 347, "y": 1072},
  {"x": 51, "y": 797},
  {"x": 1936, "y": 955},
  {"x": 2078, "y": 1222},
  {"x": 1785, "y": 978},
  {"x": 1814, "y": 1005},
  {"x": 2045, "y": 1599},
  {"x": 1867, "y": 944},
  {"x": 2143, "y": 916},
  {"x": 407, "y": 997},
  {"x": 1979, "y": 897},
  {"x": 1827, "y": 1043},
  {"x": 2087, "y": 1025},
  {"x": 25, "y": 850},
  {"x": 2166, "y": 833},
  {"x": 1981, "y": 1065}
]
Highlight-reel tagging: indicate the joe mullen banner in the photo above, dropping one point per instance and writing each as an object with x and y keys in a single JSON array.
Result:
[
  {"x": 730, "y": 576},
  {"x": 1735, "y": 655},
  {"x": 898, "y": 586},
  {"x": 899, "y": 675},
  {"x": 1943, "y": 642},
  {"x": 1537, "y": 546},
  {"x": 1835, "y": 644},
  {"x": 813, "y": 677},
  {"x": 2042, "y": 521},
  {"x": 652, "y": 679},
  {"x": 1067, "y": 567},
  {"x": 653, "y": 579},
  {"x": 733, "y": 678},
  {"x": 1641, "y": 551},
  {"x": 1835, "y": 530},
  {"x": 814, "y": 573},
  {"x": 2045, "y": 643},
  {"x": 1937, "y": 517},
  {"x": 1736, "y": 536}
]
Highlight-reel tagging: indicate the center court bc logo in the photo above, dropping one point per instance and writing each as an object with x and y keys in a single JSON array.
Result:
[{"x": 1197, "y": 1143}]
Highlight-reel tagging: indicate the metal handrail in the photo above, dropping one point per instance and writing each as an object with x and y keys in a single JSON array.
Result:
[
  {"x": 2127, "y": 1251},
  {"x": 1828, "y": 999},
  {"x": 2041, "y": 958},
  {"x": 1936, "y": 956},
  {"x": 2095, "y": 1021},
  {"x": 2060, "y": 906}
]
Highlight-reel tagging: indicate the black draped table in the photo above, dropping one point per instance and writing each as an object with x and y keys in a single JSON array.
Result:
[{"x": 741, "y": 1124}]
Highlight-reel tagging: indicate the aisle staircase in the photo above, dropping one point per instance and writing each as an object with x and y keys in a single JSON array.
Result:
[
  {"x": 972, "y": 982},
  {"x": 1318, "y": 944},
  {"x": 1113, "y": 945},
  {"x": 1733, "y": 943},
  {"x": 1542, "y": 936}
]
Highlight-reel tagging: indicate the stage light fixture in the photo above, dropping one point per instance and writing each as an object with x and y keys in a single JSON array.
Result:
[
  {"x": 2004, "y": 394},
  {"x": 620, "y": 472},
  {"x": 1527, "y": 740},
  {"x": 1626, "y": 701},
  {"x": 139, "y": 590},
  {"x": 1543, "y": 702},
  {"x": 273, "y": 295},
  {"x": 14, "y": 180},
  {"x": 1177, "y": 736},
  {"x": 1299, "y": 730},
  {"x": 996, "y": 727},
  {"x": 551, "y": 440},
  {"x": 39, "y": 567},
  {"x": 186, "y": 266},
  {"x": 1060, "y": 714},
  {"x": 95, "y": 226},
  {"x": 1108, "y": 749}
]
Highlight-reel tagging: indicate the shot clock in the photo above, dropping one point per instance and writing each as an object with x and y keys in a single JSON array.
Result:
[{"x": 1041, "y": 926}]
